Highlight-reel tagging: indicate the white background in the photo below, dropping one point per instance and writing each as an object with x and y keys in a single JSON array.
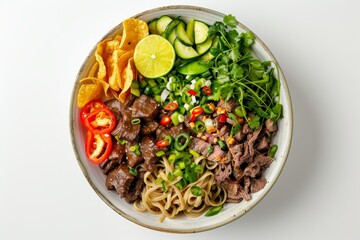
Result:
[{"x": 43, "y": 194}]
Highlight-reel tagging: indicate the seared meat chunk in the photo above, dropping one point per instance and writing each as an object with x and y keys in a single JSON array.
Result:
[
  {"x": 270, "y": 125},
  {"x": 200, "y": 146},
  {"x": 148, "y": 150},
  {"x": 117, "y": 107},
  {"x": 125, "y": 184},
  {"x": 114, "y": 159},
  {"x": 145, "y": 107},
  {"x": 131, "y": 156},
  {"x": 232, "y": 188},
  {"x": 257, "y": 184},
  {"x": 263, "y": 144},
  {"x": 222, "y": 172},
  {"x": 149, "y": 127},
  {"x": 217, "y": 154},
  {"x": 125, "y": 129},
  {"x": 162, "y": 131}
]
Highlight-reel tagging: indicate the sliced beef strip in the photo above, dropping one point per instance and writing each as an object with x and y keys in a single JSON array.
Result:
[
  {"x": 149, "y": 127},
  {"x": 148, "y": 150},
  {"x": 228, "y": 105},
  {"x": 252, "y": 138},
  {"x": 236, "y": 152},
  {"x": 232, "y": 188},
  {"x": 257, "y": 184},
  {"x": 145, "y": 107},
  {"x": 117, "y": 107},
  {"x": 132, "y": 158},
  {"x": 263, "y": 144},
  {"x": 217, "y": 155},
  {"x": 238, "y": 173},
  {"x": 245, "y": 157},
  {"x": 246, "y": 129},
  {"x": 259, "y": 163},
  {"x": 124, "y": 183},
  {"x": 270, "y": 125},
  {"x": 125, "y": 129},
  {"x": 245, "y": 191},
  {"x": 222, "y": 172},
  {"x": 199, "y": 146},
  {"x": 224, "y": 130}
]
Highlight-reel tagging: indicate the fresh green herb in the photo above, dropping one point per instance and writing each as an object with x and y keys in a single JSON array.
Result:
[
  {"x": 120, "y": 141},
  {"x": 133, "y": 172},
  {"x": 165, "y": 190},
  {"x": 170, "y": 176},
  {"x": 254, "y": 122},
  {"x": 196, "y": 191},
  {"x": 160, "y": 153},
  {"x": 213, "y": 211},
  {"x": 135, "y": 121}
]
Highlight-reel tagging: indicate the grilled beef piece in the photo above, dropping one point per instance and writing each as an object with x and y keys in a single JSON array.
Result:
[
  {"x": 228, "y": 105},
  {"x": 117, "y": 107},
  {"x": 270, "y": 125},
  {"x": 236, "y": 152},
  {"x": 209, "y": 137},
  {"x": 162, "y": 131},
  {"x": 259, "y": 164},
  {"x": 257, "y": 184},
  {"x": 232, "y": 188},
  {"x": 148, "y": 150},
  {"x": 245, "y": 191},
  {"x": 199, "y": 145},
  {"x": 224, "y": 130},
  {"x": 145, "y": 107},
  {"x": 116, "y": 155},
  {"x": 149, "y": 127},
  {"x": 125, "y": 184},
  {"x": 252, "y": 138},
  {"x": 131, "y": 156},
  {"x": 125, "y": 129},
  {"x": 263, "y": 144}
]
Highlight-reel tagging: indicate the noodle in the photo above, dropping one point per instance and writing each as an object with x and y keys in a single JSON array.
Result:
[{"x": 174, "y": 201}]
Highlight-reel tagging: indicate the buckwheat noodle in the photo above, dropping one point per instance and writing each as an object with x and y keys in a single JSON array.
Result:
[{"x": 175, "y": 201}]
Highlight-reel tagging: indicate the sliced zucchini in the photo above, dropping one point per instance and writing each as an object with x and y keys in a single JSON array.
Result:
[
  {"x": 204, "y": 47},
  {"x": 208, "y": 56},
  {"x": 190, "y": 30},
  {"x": 181, "y": 34},
  {"x": 200, "y": 32},
  {"x": 183, "y": 51},
  {"x": 152, "y": 26},
  {"x": 193, "y": 68},
  {"x": 171, "y": 36},
  {"x": 162, "y": 23}
]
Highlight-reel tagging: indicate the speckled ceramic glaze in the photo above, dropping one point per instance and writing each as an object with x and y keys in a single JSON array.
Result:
[{"x": 181, "y": 224}]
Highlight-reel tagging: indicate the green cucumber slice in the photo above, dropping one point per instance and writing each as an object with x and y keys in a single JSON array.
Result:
[
  {"x": 183, "y": 51},
  {"x": 162, "y": 23},
  {"x": 170, "y": 26},
  {"x": 171, "y": 36},
  {"x": 208, "y": 56},
  {"x": 152, "y": 26},
  {"x": 190, "y": 30},
  {"x": 181, "y": 34},
  {"x": 204, "y": 47},
  {"x": 200, "y": 32},
  {"x": 193, "y": 68}
]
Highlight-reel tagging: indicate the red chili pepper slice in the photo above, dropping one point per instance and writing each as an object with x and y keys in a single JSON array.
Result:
[
  {"x": 192, "y": 92},
  {"x": 162, "y": 143},
  {"x": 207, "y": 90},
  {"x": 90, "y": 107},
  {"x": 192, "y": 117},
  {"x": 165, "y": 120},
  {"x": 98, "y": 146},
  {"x": 100, "y": 121},
  {"x": 197, "y": 111},
  {"x": 172, "y": 106},
  {"x": 222, "y": 118}
]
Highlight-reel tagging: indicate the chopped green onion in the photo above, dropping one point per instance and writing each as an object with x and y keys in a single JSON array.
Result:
[
  {"x": 199, "y": 126},
  {"x": 196, "y": 191},
  {"x": 194, "y": 153},
  {"x": 207, "y": 109},
  {"x": 203, "y": 100},
  {"x": 175, "y": 118},
  {"x": 158, "y": 180},
  {"x": 178, "y": 144},
  {"x": 142, "y": 83},
  {"x": 221, "y": 144},
  {"x": 147, "y": 90},
  {"x": 181, "y": 164},
  {"x": 156, "y": 90},
  {"x": 135, "y": 92},
  {"x": 121, "y": 141},
  {"x": 169, "y": 139},
  {"x": 170, "y": 176},
  {"x": 179, "y": 185},
  {"x": 213, "y": 211},
  {"x": 181, "y": 118},
  {"x": 273, "y": 150},
  {"x": 136, "y": 149},
  {"x": 157, "y": 98},
  {"x": 178, "y": 172},
  {"x": 152, "y": 83},
  {"x": 133, "y": 148},
  {"x": 135, "y": 121},
  {"x": 172, "y": 158},
  {"x": 164, "y": 186},
  {"x": 210, "y": 149},
  {"x": 199, "y": 169},
  {"x": 133, "y": 172},
  {"x": 160, "y": 153}
]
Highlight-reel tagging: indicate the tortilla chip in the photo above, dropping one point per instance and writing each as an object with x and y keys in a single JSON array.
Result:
[
  {"x": 128, "y": 75},
  {"x": 134, "y": 31},
  {"x": 122, "y": 64},
  {"x": 113, "y": 69},
  {"x": 88, "y": 92}
]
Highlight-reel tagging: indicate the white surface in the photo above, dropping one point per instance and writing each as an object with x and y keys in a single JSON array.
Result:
[{"x": 43, "y": 194}]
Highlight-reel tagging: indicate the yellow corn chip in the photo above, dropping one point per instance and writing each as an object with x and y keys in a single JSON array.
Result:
[
  {"x": 128, "y": 75},
  {"x": 134, "y": 31}
]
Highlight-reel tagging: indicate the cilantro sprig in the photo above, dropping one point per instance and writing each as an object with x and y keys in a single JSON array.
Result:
[{"x": 238, "y": 74}]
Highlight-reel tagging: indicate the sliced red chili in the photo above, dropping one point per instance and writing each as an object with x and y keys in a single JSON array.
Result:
[
  {"x": 90, "y": 107},
  {"x": 192, "y": 92},
  {"x": 192, "y": 117},
  {"x": 222, "y": 118},
  {"x": 207, "y": 90},
  {"x": 165, "y": 120},
  {"x": 100, "y": 121},
  {"x": 197, "y": 111},
  {"x": 98, "y": 146},
  {"x": 162, "y": 143},
  {"x": 172, "y": 106}
]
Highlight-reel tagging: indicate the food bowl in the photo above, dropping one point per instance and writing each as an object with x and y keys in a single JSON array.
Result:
[{"x": 180, "y": 224}]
